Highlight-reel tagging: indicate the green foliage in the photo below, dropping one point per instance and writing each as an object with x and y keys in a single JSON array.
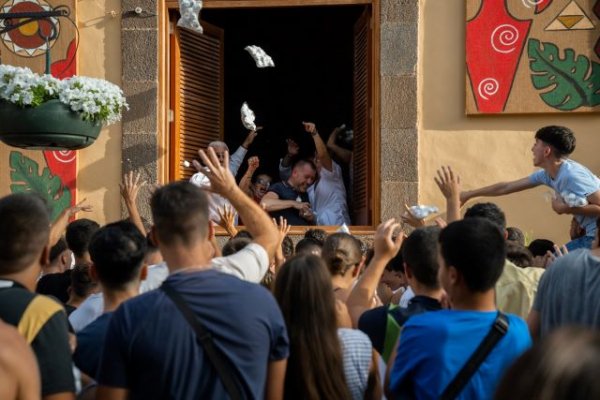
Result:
[
  {"x": 25, "y": 178},
  {"x": 570, "y": 82}
]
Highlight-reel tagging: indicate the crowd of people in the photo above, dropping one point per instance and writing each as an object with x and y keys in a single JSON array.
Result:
[{"x": 463, "y": 308}]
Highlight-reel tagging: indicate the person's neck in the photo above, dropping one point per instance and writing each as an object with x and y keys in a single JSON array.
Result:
[
  {"x": 291, "y": 184},
  {"x": 475, "y": 301},
  {"x": 114, "y": 298},
  {"x": 179, "y": 257},
  {"x": 51, "y": 269},
  {"x": 27, "y": 277},
  {"x": 552, "y": 166},
  {"x": 75, "y": 301},
  {"x": 421, "y": 290}
]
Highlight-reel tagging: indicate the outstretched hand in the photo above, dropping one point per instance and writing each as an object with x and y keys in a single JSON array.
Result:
[
  {"x": 227, "y": 219},
  {"x": 221, "y": 180},
  {"x": 131, "y": 186},
  {"x": 448, "y": 183},
  {"x": 384, "y": 245}
]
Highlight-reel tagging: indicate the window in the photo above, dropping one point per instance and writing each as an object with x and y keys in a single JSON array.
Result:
[{"x": 325, "y": 61}]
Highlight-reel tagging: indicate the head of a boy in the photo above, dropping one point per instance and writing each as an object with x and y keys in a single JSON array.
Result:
[{"x": 554, "y": 142}]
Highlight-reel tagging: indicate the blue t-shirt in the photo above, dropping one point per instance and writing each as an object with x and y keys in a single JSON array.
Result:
[
  {"x": 434, "y": 346},
  {"x": 151, "y": 349},
  {"x": 572, "y": 178},
  {"x": 89, "y": 345}
]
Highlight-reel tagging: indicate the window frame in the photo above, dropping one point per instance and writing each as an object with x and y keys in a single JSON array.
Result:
[{"x": 165, "y": 126}]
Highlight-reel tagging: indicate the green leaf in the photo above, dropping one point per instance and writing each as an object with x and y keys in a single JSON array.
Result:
[
  {"x": 26, "y": 179},
  {"x": 570, "y": 82}
]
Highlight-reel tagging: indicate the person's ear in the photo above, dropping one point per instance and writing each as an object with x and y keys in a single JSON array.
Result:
[
  {"x": 144, "y": 272},
  {"x": 154, "y": 236},
  {"x": 211, "y": 230},
  {"x": 505, "y": 234},
  {"x": 407, "y": 272},
  {"x": 356, "y": 270},
  {"x": 94, "y": 272},
  {"x": 454, "y": 276},
  {"x": 45, "y": 256}
]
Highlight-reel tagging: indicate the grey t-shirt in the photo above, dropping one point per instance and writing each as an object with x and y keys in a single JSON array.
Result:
[{"x": 568, "y": 292}]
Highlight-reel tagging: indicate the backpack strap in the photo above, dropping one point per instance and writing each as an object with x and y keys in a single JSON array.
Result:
[
  {"x": 392, "y": 332},
  {"x": 463, "y": 377},
  {"x": 204, "y": 337}
]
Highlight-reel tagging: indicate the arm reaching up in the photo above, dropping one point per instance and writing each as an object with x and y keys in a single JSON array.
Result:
[
  {"x": 385, "y": 248},
  {"x": 498, "y": 189},
  {"x": 256, "y": 219},
  {"x": 449, "y": 185},
  {"x": 322, "y": 152},
  {"x": 246, "y": 181},
  {"x": 340, "y": 152},
  {"x": 60, "y": 225},
  {"x": 130, "y": 188}
]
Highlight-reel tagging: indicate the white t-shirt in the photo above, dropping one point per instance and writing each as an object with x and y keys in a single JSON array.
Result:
[
  {"x": 406, "y": 297},
  {"x": 249, "y": 264},
  {"x": 328, "y": 197}
]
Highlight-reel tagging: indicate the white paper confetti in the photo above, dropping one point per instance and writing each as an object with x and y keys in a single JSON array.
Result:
[
  {"x": 190, "y": 14},
  {"x": 186, "y": 163},
  {"x": 261, "y": 58},
  {"x": 421, "y": 211},
  {"x": 248, "y": 117},
  {"x": 344, "y": 229},
  {"x": 573, "y": 200}
]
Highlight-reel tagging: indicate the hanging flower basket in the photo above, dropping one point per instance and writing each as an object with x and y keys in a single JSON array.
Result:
[
  {"x": 41, "y": 112},
  {"x": 51, "y": 125}
]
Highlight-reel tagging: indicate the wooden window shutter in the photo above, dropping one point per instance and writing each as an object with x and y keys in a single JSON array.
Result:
[
  {"x": 196, "y": 95},
  {"x": 361, "y": 195}
]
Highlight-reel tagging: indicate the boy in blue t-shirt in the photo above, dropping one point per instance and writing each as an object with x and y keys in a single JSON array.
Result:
[
  {"x": 434, "y": 346},
  {"x": 577, "y": 188}
]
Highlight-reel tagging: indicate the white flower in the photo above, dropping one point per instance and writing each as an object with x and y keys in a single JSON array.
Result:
[{"x": 96, "y": 99}]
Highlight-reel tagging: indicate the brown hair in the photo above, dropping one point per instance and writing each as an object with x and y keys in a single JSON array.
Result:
[
  {"x": 315, "y": 367},
  {"x": 341, "y": 252}
]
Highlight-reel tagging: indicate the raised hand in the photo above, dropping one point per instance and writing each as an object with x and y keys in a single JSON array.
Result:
[
  {"x": 227, "y": 219},
  {"x": 385, "y": 247},
  {"x": 253, "y": 163},
  {"x": 448, "y": 183},
  {"x": 292, "y": 147},
  {"x": 220, "y": 177},
  {"x": 131, "y": 186},
  {"x": 310, "y": 127},
  {"x": 408, "y": 218},
  {"x": 251, "y": 136}
]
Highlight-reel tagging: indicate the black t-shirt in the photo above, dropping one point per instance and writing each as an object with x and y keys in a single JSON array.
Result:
[
  {"x": 42, "y": 321},
  {"x": 55, "y": 285},
  {"x": 374, "y": 322},
  {"x": 286, "y": 192}
]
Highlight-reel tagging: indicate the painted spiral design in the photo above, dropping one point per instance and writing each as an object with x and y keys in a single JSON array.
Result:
[
  {"x": 504, "y": 38},
  {"x": 488, "y": 87}
]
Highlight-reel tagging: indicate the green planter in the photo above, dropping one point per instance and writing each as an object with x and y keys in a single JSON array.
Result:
[{"x": 50, "y": 126}]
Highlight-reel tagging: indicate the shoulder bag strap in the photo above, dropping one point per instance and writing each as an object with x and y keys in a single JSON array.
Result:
[
  {"x": 498, "y": 331},
  {"x": 217, "y": 359}
]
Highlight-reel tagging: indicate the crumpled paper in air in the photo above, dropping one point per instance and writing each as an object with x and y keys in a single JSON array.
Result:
[
  {"x": 344, "y": 229},
  {"x": 190, "y": 14},
  {"x": 261, "y": 58},
  {"x": 248, "y": 117},
  {"x": 573, "y": 200},
  {"x": 421, "y": 212}
]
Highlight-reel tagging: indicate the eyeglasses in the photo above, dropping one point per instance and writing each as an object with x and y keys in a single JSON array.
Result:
[{"x": 262, "y": 181}]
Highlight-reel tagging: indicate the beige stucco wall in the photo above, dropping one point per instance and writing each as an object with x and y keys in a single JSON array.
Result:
[
  {"x": 487, "y": 149},
  {"x": 99, "y": 167}
]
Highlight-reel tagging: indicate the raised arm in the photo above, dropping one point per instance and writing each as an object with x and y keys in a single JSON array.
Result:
[
  {"x": 340, "y": 152},
  {"x": 60, "y": 225},
  {"x": 130, "y": 188},
  {"x": 257, "y": 221},
  {"x": 386, "y": 248},
  {"x": 498, "y": 189},
  {"x": 245, "y": 182},
  {"x": 449, "y": 185},
  {"x": 236, "y": 159},
  {"x": 322, "y": 152}
]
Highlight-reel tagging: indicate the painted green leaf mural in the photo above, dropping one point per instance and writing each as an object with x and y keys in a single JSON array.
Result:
[
  {"x": 569, "y": 82},
  {"x": 26, "y": 178}
]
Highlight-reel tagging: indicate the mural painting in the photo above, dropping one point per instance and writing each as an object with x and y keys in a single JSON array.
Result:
[
  {"x": 52, "y": 174},
  {"x": 532, "y": 56}
]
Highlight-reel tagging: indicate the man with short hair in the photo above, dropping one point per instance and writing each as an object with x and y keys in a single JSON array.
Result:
[
  {"x": 78, "y": 236},
  {"x": 419, "y": 255},
  {"x": 436, "y": 345},
  {"x": 152, "y": 352},
  {"x": 289, "y": 199},
  {"x": 24, "y": 234},
  {"x": 56, "y": 276},
  {"x": 235, "y": 161},
  {"x": 577, "y": 188},
  {"x": 117, "y": 251},
  {"x": 568, "y": 292}
]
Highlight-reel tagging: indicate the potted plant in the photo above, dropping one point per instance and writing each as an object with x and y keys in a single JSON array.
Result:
[{"x": 42, "y": 112}]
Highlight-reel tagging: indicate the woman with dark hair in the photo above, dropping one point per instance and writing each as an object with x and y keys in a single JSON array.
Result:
[
  {"x": 343, "y": 256},
  {"x": 564, "y": 366},
  {"x": 325, "y": 362}
]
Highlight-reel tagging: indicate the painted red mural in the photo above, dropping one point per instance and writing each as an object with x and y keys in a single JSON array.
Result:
[{"x": 494, "y": 45}]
